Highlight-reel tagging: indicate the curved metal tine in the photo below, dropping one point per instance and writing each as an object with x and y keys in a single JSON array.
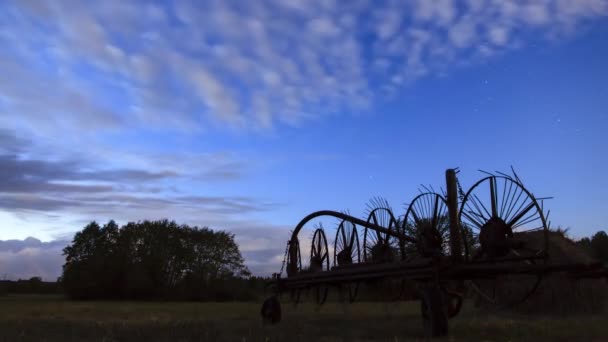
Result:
[
  {"x": 531, "y": 218},
  {"x": 435, "y": 208},
  {"x": 482, "y": 206},
  {"x": 375, "y": 221},
  {"x": 518, "y": 210},
  {"x": 535, "y": 229},
  {"x": 493, "y": 197},
  {"x": 516, "y": 176},
  {"x": 443, "y": 210},
  {"x": 478, "y": 216},
  {"x": 319, "y": 244},
  {"x": 425, "y": 188},
  {"x": 472, "y": 210},
  {"x": 344, "y": 236},
  {"x": 475, "y": 211},
  {"x": 353, "y": 235},
  {"x": 472, "y": 220},
  {"x": 505, "y": 197},
  {"x": 416, "y": 207},
  {"x": 424, "y": 207},
  {"x": 442, "y": 214},
  {"x": 421, "y": 207},
  {"x": 313, "y": 245},
  {"x": 340, "y": 243},
  {"x": 429, "y": 203},
  {"x": 521, "y": 213},
  {"x": 392, "y": 239},
  {"x": 353, "y": 249},
  {"x": 504, "y": 175},
  {"x": 486, "y": 172},
  {"x": 415, "y": 217},
  {"x": 473, "y": 200},
  {"x": 512, "y": 204}
]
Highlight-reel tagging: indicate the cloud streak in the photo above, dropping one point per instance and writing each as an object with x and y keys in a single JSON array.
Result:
[{"x": 79, "y": 188}]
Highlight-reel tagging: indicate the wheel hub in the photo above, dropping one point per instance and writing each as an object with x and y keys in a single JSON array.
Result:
[
  {"x": 345, "y": 257},
  {"x": 382, "y": 252},
  {"x": 316, "y": 264},
  {"x": 494, "y": 237},
  {"x": 429, "y": 241}
]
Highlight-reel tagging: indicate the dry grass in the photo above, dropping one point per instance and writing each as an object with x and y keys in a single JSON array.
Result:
[{"x": 41, "y": 318}]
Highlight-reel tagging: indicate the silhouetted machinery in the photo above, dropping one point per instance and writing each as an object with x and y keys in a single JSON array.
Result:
[{"x": 492, "y": 240}]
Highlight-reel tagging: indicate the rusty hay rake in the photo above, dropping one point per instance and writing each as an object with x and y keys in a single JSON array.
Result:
[{"x": 492, "y": 240}]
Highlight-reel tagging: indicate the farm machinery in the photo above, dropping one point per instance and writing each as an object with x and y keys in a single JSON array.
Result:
[{"x": 492, "y": 240}]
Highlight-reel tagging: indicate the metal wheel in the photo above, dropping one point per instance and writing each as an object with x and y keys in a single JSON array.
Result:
[
  {"x": 427, "y": 221},
  {"x": 381, "y": 247},
  {"x": 503, "y": 223},
  {"x": 319, "y": 261},
  {"x": 384, "y": 248},
  {"x": 346, "y": 252},
  {"x": 294, "y": 267}
]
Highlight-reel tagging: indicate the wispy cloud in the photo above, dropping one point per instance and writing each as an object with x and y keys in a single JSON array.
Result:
[
  {"x": 193, "y": 64},
  {"x": 74, "y": 187}
]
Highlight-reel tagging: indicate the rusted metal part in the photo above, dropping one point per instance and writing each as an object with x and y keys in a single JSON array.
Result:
[
  {"x": 352, "y": 219},
  {"x": 452, "y": 202},
  {"x": 427, "y": 270},
  {"x": 319, "y": 262},
  {"x": 347, "y": 253},
  {"x": 293, "y": 248}
]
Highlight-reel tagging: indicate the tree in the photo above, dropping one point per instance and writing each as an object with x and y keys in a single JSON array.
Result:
[
  {"x": 599, "y": 246},
  {"x": 596, "y": 246},
  {"x": 150, "y": 259}
]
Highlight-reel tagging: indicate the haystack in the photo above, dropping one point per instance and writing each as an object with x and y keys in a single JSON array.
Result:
[{"x": 557, "y": 293}]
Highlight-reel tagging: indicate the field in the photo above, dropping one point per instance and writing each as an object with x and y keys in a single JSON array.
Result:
[{"x": 49, "y": 318}]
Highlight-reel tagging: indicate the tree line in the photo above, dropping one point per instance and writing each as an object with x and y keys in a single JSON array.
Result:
[
  {"x": 163, "y": 260},
  {"x": 155, "y": 260},
  {"x": 596, "y": 245}
]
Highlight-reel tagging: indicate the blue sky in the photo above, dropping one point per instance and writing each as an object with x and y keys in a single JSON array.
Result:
[{"x": 247, "y": 116}]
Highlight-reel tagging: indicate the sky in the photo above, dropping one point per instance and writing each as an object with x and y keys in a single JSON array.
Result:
[{"x": 247, "y": 116}]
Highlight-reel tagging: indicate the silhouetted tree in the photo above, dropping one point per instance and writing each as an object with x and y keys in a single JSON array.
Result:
[
  {"x": 151, "y": 259},
  {"x": 596, "y": 246}
]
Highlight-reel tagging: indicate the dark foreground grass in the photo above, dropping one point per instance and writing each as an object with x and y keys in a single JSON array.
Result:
[{"x": 43, "y": 318}]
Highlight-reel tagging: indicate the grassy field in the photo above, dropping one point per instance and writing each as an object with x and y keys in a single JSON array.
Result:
[{"x": 48, "y": 318}]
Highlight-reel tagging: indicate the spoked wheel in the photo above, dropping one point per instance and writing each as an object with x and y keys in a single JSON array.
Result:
[
  {"x": 319, "y": 261},
  {"x": 346, "y": 253},
  {"x": 381, "y": 247},
  {"x": 503, "y": 223},
  {"x": 427, "y": 221},
  {"x": 294, "y": 267},
  {"x": 454, "y": 301}
]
